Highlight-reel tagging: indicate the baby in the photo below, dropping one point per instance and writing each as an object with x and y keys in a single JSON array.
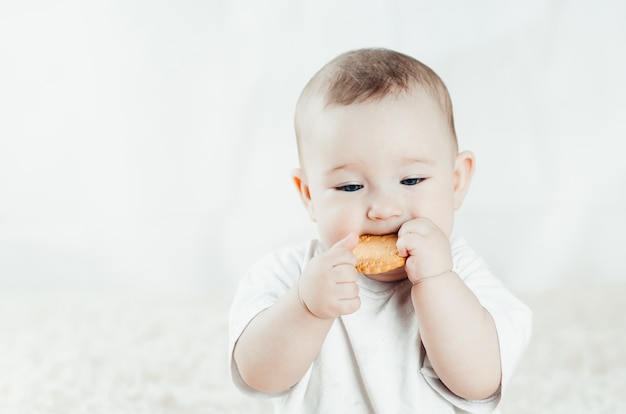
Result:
[{"x": 378, "y": 155}]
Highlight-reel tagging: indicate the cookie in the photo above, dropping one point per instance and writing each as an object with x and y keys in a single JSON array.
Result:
[{"x": 377, "y": 254}]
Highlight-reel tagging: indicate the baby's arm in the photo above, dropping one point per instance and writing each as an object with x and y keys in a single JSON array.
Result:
[
  {"x": 279, "y": 344},
  {"x": 458, "y": 334}
]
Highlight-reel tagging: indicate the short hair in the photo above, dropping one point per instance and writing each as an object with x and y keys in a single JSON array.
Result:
[{"x": 371, "y": 74}]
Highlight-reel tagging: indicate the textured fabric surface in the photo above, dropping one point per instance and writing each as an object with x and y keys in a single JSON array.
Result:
[{"x": 137, "y": 354}]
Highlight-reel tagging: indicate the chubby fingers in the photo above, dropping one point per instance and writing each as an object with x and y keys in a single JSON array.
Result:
[
  {"x": 346, "y": 275},
  {"x": 426, "y": 247},
  {"x": 341, "y": 253},
  {"x": 414, "y": 232},
  {"x": 349, "y": 242},
  {"x": 420, "y": 225},
  {"x": 328, "y": 287}
]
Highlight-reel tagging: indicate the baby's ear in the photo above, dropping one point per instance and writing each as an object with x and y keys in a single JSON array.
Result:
[
  {"x": 299, "y": 178},
  {"x": 463, "y": 171}
]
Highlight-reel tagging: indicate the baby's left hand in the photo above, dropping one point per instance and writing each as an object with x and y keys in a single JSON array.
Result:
[{"x": 426, "y": 248}]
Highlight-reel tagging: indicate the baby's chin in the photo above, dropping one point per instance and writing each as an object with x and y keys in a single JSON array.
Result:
[{"x": 394, "y": 275}]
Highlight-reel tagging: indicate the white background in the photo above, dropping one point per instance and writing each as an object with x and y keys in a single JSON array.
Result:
[{"x": 146, "y": 146}]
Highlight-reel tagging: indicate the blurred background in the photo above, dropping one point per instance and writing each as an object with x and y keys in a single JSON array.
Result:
[{"x": 146, "y": 146}]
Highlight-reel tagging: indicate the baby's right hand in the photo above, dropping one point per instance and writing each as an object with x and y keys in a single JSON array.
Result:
[{"x": 327, "y": 287}]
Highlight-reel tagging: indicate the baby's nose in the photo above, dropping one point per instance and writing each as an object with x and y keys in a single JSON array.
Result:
[{"x": 384, "y": 207}]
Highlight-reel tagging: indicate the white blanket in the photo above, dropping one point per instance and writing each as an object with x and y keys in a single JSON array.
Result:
[{"x": 114, "y": 354}]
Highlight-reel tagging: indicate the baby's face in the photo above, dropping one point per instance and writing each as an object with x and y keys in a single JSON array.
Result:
[{"x": 369, "y": 167}]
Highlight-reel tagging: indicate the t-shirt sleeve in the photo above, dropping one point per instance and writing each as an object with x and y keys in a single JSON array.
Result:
[
  {"x": 462, "y": 405},
  {"x": 264, "y": 284},
  {"x": 512, "y": 318}
]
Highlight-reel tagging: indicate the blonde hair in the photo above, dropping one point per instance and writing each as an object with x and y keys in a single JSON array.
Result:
[{"x": 371, "y": 74}]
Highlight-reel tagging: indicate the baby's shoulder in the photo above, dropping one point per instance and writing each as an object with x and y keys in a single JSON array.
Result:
[
  {"x": 295, "y": 252},
  {"x": 286, "y": 261},
  {"x": 465, "y": 258}
]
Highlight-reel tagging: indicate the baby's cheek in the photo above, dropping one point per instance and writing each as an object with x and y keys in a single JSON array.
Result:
[
  {"x": 330, "y": 235},
  {"x": 337, "y": 226}
]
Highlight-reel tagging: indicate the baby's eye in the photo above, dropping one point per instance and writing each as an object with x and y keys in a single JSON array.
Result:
[
  {"x": 349, "y": 187},
  {"x": 412, "y": 181}
]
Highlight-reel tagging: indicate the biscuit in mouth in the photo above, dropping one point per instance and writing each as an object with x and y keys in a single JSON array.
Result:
[{"x": 377, "y": 254}]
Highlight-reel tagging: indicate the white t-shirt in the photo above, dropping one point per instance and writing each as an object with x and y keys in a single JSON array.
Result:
[{"x": 373, "y": 361}]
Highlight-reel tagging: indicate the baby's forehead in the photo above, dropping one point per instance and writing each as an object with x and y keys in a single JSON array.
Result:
[
  {"x": 315, "y": 106},
  {"x": 337, "y": 132},
  {"x": 385, "y": 118}
]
